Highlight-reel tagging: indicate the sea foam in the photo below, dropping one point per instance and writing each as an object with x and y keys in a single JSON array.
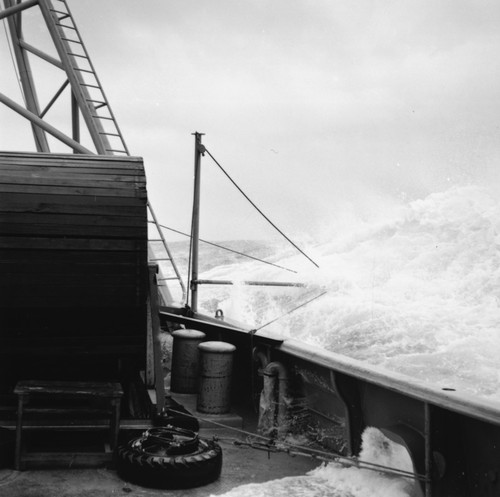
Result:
[
  {"x": 417, "y": 292},
  {"x": 337, "y": 480}
]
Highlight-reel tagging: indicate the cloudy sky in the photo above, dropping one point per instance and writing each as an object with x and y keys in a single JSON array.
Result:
[{"x": 308, "y": 104}]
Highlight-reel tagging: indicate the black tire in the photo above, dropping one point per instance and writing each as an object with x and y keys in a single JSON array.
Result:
[{"x": 152, "y": 467}]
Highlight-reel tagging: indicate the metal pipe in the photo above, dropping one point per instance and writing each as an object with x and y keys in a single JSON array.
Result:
[
  {"x": 43, "y": 125},
  {"x": 54, "y": 98},
  {"x": 247, "y": 282},
  {"x": 17, "y": 8},
  {"x": 81, "y": 93},
  {"x": 195, "y": 226},
  {"x": 276, "y": 369},
  {"x": 39, "y": 53},
  {"x": 428, "y": 449},
  {"x": 167, "y": 249},
  {"x": 75, "y": 119},
  {"x": 25, "y": 74},
  {"x": 260, "y": 357}
]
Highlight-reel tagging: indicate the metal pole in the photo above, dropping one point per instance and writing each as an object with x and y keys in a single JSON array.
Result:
[
  {"x": 40, "y": 123},
  {"x": 249, "y": 283},
  {"x": 195, "y": 226},
  {"x": 35, "y": 51},
  {"x": 8, "y": 11},
  {"x": 428, "y": 449},
  {"x": 75, "y": 120},
  {"x": 53, "y": 99},
  {"x": 25, "y": 74},
  {"x": 75, "y": 77},
  {"x": 167, "y": 249}
]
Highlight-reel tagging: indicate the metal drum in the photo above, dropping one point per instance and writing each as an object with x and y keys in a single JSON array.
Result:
[
  {"x": 216, "y": 365},
  {"x": 185, "y": 360}
]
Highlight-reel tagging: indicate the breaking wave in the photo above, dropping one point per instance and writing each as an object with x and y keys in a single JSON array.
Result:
[
  {"x": 413, "y": 288},
  {"x": 335, "y": 480},
  {"x": 417, "y": 292}
]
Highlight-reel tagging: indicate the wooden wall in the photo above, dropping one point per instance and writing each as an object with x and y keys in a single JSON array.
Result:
[{"x": 73, "y": 254}]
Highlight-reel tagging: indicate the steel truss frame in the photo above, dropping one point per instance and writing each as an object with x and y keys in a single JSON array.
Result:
[{"x": 88, "y": 99}]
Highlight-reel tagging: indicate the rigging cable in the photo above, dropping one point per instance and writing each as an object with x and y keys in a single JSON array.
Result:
[
  {"x": 255, "y": 330},
  {"x": 230, "y": 250},
  {"x": 258, "y": 210},
  {"x": 289, "y": 312},
  {"x": 270, "y": 445}
]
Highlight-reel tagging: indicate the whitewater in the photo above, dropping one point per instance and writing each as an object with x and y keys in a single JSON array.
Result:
[{"x": 415, "y": 291}]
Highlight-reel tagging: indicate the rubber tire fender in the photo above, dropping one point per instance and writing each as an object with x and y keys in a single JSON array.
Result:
[{"x": 195, "y": 469}]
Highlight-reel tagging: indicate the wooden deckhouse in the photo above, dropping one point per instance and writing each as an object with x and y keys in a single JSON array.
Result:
[{"x": 76, "y": 287}]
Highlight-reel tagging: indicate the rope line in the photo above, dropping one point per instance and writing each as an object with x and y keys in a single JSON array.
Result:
[
  {"x": 294, "y": 449},
  {"x": 290, "y": 311},
  {"x": 231, "y": 250},
  {"x": 258, "y": 210}
]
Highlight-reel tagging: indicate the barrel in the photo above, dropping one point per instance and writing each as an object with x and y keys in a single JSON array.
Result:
[
  {"x": 185, "y": 360},
  {"x": 216, "y": 365}
]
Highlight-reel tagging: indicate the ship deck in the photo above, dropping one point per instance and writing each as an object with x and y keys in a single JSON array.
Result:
[{"x": 241, "y": 465}]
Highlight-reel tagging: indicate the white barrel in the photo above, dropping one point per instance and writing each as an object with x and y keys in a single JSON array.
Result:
[
  {"x": 216, "y": 367},
  {"x": 185, "y": 360}
]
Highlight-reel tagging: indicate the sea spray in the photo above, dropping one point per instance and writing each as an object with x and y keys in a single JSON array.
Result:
[
  {"x": 337, "y": 480},
  {"x": 417, "y": 292}
]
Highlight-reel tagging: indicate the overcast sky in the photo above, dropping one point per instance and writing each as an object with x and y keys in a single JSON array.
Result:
[{"x": 308, "y": 104}]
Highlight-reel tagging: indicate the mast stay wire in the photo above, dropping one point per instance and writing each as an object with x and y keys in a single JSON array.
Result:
[
  {"x": 273, "y": 445},
  {"x": 289, "y": 312},
  {"x": 258, "y": 210},
  {"x": 230, "y": 250}
]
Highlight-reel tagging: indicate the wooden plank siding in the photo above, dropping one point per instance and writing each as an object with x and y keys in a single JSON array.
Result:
[{"x": 73, "y": 253}]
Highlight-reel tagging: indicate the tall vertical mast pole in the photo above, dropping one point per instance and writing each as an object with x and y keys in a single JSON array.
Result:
[{"x": 195, "y": 223}]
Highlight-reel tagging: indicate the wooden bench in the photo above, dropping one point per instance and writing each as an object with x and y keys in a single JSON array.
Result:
[{"x": 65, "y": 391}]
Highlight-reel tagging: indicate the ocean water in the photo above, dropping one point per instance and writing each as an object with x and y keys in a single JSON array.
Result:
[
  {"x": 415, "y": 290},
  {"x": 335, "y": 480}
]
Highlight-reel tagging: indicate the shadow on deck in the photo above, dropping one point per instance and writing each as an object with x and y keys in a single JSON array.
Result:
[{"x": 241, "y": 465}]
